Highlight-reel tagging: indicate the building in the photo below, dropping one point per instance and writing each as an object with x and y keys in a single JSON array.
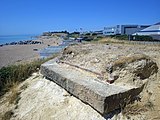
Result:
[
  {"x": 100, "y": 32},
  {"x": 153, "y": 31},
  {"x": 123, "y": 29}
]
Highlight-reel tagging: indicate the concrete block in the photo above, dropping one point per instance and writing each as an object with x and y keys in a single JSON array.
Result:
[{"x": 86, "y": 86}]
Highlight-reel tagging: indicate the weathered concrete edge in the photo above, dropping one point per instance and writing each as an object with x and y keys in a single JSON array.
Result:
[
  {"x": 80, "y": 91},
  {"x": 122, "y": 99},
  {"x": 100, "y": 103}
]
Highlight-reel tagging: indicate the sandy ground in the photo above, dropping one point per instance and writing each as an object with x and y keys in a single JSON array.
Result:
[
  {"x": 12, "y": 54},
  {"x": 42, "y": 99}
]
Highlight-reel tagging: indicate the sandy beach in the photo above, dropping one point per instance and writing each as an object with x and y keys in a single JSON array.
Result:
[{"x": 11, "y": 54}]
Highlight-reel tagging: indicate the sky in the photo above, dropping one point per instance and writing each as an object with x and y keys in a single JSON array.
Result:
[{"x": 37, "y": 16}]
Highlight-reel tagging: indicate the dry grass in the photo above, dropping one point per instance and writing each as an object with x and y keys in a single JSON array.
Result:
[
  {"x": 125, "y": 60},
  {"x": 11, "y": 77},
  {"x": 127, "y": 42},
  {"x": 134, "y": 109},
  {"x": 111, "y": 40},
  {"x": 12, "y": 98},
  {"x": 14, "y": 74},
  {"x": 138, "y": 108},
  {"x": 14, "y": 90}
]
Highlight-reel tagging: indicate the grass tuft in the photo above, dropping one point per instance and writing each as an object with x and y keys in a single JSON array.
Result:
[
  {"x": 126, "y": 60},
  {"x": 14, "y": 92},
  {"x": 133, "y": 109}
]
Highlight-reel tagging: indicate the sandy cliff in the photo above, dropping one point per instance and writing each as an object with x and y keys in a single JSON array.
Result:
[{"x": 39, "y": 98}]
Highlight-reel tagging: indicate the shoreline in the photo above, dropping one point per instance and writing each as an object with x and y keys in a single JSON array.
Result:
[
  {"x": 13, "y": 54},
  {"x": 32, "y": 40},
  {"x": 15, "y": 39}
]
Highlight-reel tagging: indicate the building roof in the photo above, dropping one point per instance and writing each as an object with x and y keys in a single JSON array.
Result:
[
  {"x": 157, "y": 23},
  {"x": 152, "y": 30}
]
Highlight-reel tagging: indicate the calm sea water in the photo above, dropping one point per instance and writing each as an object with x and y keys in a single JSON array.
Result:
[{"x": 15, "y": 38}]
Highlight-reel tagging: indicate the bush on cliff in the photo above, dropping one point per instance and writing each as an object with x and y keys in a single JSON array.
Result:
[{"x": 18, "y": 73}]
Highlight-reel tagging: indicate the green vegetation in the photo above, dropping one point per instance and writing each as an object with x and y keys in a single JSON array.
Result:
[
  {"x": 120, "y": 37},
  {"x": 87, "y": 34},
  {"x": 74, "y": 34},
  {"x": 142, "y": 38},
  {"x": 133, "y": 37},
  {"x": 51, "y": 33},
  {"x": 10, "y": 78},
  {"x": 98, "y": 38},
  {"x": 17, "y": 73}
]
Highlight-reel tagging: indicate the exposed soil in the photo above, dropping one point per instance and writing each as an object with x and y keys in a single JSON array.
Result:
[
  {"x": 97, "y": 57},
  {"x": 40, "y": 98}
]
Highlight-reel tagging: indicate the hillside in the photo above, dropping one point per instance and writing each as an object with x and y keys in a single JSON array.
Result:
[{"x": 38, "y": 98}]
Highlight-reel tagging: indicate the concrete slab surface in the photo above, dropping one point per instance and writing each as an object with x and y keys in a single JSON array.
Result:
[{"x": 86, "y": 86}]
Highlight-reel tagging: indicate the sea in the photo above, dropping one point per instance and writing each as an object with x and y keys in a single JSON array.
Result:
[
  {"x": 44, "y": 53},
  {"x": 16, "y": 38}
]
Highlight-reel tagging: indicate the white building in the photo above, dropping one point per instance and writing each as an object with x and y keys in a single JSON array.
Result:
[
  {"x": 123, "y": 29},
  {"x": 153, "y": 30}
]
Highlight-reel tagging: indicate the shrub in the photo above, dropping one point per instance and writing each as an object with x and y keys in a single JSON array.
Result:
[
  {"x": 120, "y": 37},
  {"x": 88, "y": 34},
  {"x": 94, "y": 34},
  {"x": 142, "y": 38},
  {"x": 18, "y": 73},
  {"x": 133, "y": 37}
]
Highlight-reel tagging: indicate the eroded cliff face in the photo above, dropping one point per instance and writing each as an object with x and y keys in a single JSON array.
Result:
[
  {"x": 40, "y": 98},
  {"x": 125, "y": 64},
  {"x": 132, "y": 65}
]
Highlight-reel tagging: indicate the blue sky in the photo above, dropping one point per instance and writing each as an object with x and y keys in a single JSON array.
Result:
[{"x": 37, "y": 16}]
